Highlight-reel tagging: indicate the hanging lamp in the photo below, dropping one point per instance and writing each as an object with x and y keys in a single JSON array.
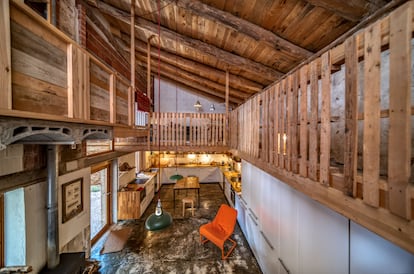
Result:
[{"x": 160, "y": 219}]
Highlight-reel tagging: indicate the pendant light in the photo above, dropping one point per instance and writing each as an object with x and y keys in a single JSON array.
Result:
[{"x": 159, "y": 219}]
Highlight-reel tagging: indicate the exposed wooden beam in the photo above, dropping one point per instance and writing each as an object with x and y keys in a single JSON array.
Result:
[
  {"x": 202, "y": 70},
  {"x": 350, "y": 10},
  {"x": 233, "y": 61},
  {"x": 187, "y": 77},
  {"x": 242, "y": 26}
]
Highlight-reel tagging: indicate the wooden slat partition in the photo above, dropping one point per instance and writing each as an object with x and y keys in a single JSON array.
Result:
[
  {"x": 325, "y": 147},
  {"x": 351, "y": 115},
  {"x": 399, "y": 143},
  {"x": 204, "y": 129},
  {"x": 382, "y": 171},
  {"x": 372, "y": 109}
]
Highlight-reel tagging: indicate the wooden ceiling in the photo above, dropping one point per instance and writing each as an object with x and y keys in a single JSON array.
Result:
[{"x": 256, "y": 41}]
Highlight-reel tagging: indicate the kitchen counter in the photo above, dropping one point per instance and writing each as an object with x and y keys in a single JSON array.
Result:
[{"x": 230, "y": 176}]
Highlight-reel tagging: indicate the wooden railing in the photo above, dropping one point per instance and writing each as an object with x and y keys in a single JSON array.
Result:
[
  {"x": 324, "y": 128},
  {"x": 188, "y": 129},
  {"x": 53, "y": 78}
]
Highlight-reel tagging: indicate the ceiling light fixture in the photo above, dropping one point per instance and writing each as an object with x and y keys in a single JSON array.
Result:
[{"x": 197, "y": 105}]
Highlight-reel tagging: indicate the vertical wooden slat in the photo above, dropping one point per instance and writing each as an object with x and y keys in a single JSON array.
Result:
[
  {"x": 276, "y": 128},
  {"x": 271, "y": 124},
  {"x": 325, "y": 147},
  {"x": 191, "y": 129},
  {"x": 131, "y": 106},
  {"x": 372, "y": 109},
  {"x": 131, "y": 99},
  {"x": 86, "y": 87},
  {"x": 399, "y": 140},
  {"x": 112, "y": 98},
  {"x": 5, "y": 57},
  {"x": 227, "y": 110},
  {"x": 72, "y": 79},
  {"x": 351, "y": 115},
  {"x": 294, "y": 122},
  {"x": 282, "y": 89},
  {"x": 313, "y": 125},
  {"x": 303, "y": 139},
  {"x": 289, "y": 114}
]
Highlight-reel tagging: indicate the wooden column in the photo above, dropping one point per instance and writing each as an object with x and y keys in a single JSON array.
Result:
[
  {"x": 294, "y": 121},
  {"x": 325, "y": 119},
  {"x": 372, "y": 109},
  {"x": 351, "y": 115},
  {"x": 131, "y": 99},
  {"x": 399, "y": 142},
  {"x": 227, "y": 109},
  {"x": 303, "y": 135},
  {"x": 313, "y": 122},
  {"x": 5, "y": 56},
  {"x": 112, "y": 99}
]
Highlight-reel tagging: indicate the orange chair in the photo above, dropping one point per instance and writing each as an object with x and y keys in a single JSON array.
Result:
[{"x": 220, "y": 229}]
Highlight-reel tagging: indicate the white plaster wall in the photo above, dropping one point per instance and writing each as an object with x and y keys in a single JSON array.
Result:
[
  {"x": 184, "y": 101},
  {"x": 36, "y": 225},
  {"x": 14, "y": 228},
  {"x": 77, "y": 224}
]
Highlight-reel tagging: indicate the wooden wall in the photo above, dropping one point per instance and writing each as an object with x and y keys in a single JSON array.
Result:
[
  {"x": 288, "y": 128},
  {"x": 53, "y": 78}
]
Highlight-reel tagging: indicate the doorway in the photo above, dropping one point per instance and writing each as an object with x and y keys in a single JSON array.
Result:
[{"x": 100, "y": 200}]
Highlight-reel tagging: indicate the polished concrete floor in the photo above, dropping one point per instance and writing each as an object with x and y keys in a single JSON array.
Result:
[{"x": 177, "y": 249}]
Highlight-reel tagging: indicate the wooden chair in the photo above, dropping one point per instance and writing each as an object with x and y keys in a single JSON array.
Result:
[{"x": 220, "y": 229}]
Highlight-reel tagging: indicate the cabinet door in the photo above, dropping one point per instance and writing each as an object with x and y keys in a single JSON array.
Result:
[
  {"x": 246, "y": 181},
  {"x": 288, "y": 228},
  {"x": 268, "y": 255},
  {"x": 241, "y": 211},
  {"x": 321, "y": 232},
  {"x": 253, "y": 234}
]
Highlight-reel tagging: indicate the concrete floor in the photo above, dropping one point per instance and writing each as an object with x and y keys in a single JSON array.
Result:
[{"x": 177, "y": 249}]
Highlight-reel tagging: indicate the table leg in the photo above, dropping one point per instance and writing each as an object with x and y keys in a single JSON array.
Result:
[{"x": 174, "y": 198}]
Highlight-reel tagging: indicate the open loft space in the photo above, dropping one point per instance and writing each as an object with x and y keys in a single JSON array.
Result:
[{"x": 131, "y": 130}]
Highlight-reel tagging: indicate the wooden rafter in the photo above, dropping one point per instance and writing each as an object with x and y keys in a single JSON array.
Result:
[
  {"x": 233, "y": 61},
  {"x": 350, "y": 10},
  {"x": 242, "y": 26},
  {"x": 202, "y": 70}
]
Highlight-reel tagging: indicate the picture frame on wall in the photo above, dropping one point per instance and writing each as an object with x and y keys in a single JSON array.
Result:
[{"x": 72, "y": 199}]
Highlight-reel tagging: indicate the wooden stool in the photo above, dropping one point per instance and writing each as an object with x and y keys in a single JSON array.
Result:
[{"x": 188, "y": 200}]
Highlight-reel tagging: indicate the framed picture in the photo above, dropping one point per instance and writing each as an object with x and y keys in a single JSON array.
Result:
[{"x": 72, "y": 199}]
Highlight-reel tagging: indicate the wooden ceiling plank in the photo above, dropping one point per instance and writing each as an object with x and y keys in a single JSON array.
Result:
[
  {"x": 350, "y": 10},
  {"x": 213, "y": 51},
  {"x": 203, "y": 70},
  {"x": 243, "y": 26}
]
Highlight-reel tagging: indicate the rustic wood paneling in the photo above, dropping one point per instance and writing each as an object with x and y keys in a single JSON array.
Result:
[
  {"x": 122, "y": 89},
  {"x": 99, "y": 89},
  {"x": 372, "y": 109},
  {"x": 351, "y": 114},
  {"x": 78, "y": 84},
  {"x": 5, "y": 57},
  {"x": 325, "y": 147},
  {"x": 399, "y": 142}
]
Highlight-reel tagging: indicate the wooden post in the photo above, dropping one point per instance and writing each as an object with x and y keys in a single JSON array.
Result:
[
  {"x": 132, "y": 56},
  {"x": 5, "y": 56},
  {"x": 112, "y": 98},
  {"x": 303, "y": 139},
  {"x": 399, "y": 142},
  {"x": 276, "y": 130},
  {"x": 351, "y": 115},
  {"x": 325, "y": 119},
  {"x": 227, "y": 110},
  {"x": 313, "y": 123},
  {"x": 294, "y": 122},
  {"x": 372, "y": 109}
]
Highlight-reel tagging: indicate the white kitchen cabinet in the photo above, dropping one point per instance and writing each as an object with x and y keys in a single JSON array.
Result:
[
  {"x": 289, "y": 228},
  {"x": 371, "y": 254},
  {"x": 269, "y": 222},
  {"x": 253, "y": 234},
  {"x": 241, "y": 212},
  {"x": 323, "y": 238},
  {"x": 149, "y": 195}
]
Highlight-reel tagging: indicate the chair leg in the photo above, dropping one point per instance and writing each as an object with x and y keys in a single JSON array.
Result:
[{"x": 224, "y": 256}]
